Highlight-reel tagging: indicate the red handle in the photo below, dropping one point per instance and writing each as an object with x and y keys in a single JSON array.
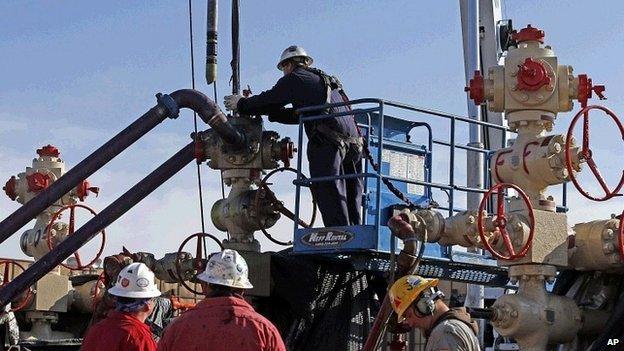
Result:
[
  {"x": 72, "y": 225},
  {"x": 501, "y": 222},
  {"x": 5, "y": 280},
  {"x": 586, "y": 154}
]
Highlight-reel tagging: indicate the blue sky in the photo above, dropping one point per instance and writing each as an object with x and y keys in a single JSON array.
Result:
[{"x": 73, "y": 73}]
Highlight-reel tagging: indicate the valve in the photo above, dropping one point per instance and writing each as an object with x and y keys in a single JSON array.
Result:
[
  {"x": 500, "y": 222},
  {"x": 72, "y": 225},
  {"x": 5, "y": 280},
  {"x": 287, "y": 151},
  {"x": 528, "y": 34},
  {"x": 83, "y": 189},
  {"x": 532, "y": 75},
  {"x": 9, "y": 188},
  {"x": 37, "y": 182},
  {"x": 265, "y": 192},
  {"x": 49, "y": 151},
  {"x": 199, "y": 262},
  {"x": 586, "y": 88},
  {"x": 476, "y": 88},
  {"x": 587, "y": 155}
]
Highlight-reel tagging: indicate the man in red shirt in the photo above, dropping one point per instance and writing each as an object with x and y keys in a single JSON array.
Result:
[
  {"x": 124, "y": 328},
  {"x": 223, "y": 321}
]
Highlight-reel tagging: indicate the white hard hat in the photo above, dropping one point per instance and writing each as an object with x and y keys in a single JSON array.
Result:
[
  {"x": 294, "y": 51},
  {"x": 135, "y": 281},
  {"x": 227, "y": 268}
]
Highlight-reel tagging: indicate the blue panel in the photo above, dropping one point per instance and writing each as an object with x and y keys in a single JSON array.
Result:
[{"x": 368, "y": 237}]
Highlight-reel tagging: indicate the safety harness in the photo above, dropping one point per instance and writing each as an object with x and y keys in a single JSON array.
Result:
[{"x": 336, "y": 94}]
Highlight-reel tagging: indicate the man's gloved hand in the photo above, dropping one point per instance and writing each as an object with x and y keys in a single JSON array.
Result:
[{"x": 231, "y": 102}]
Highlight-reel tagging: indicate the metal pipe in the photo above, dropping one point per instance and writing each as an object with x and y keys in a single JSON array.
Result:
[
  {"x": 474, "y": 161},
  {"x": 168, "y": 106},
  {"x": 235, "y": 47},
  {"x": 210, "y": 113},
  {"x": 211, "y": 41},
  {"x": 112, "y": 212}
]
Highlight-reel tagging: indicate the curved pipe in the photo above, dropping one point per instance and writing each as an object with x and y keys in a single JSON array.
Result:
[
  {"x": 210, "y": 113},
  {"x": 168, "y": 106}
]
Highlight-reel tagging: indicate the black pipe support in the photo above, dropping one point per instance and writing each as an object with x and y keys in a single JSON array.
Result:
[
  {"x": 108, "y": 215},
  {"x": 168, "y": 106}
]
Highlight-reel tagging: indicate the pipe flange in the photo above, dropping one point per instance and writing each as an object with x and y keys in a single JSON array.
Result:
[
  {"x": 169, "y": 103},
  {"x": 528, "y": 270}
]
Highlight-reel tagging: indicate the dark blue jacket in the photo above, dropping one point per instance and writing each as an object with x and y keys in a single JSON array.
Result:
[{"x": 300, "y": 88}]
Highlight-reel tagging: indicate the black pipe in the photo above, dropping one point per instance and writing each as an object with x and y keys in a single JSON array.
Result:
[
  {"x": 168, "y": 106},
  {"x": 211, "y": 41},
  {"x": 115, "y": 210},
  {"x": 479, "y": 313},
  {"x": 235, "y": 47},
  {"x": 210, "y": 113}
]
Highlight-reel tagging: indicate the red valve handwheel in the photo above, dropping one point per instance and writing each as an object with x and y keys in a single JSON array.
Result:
[
  {"x": 586, "y": 154},
  {"x": 72, "y": 224},
  {"x": 264, "y": 189},
  {"x": 621, "y": 236},
  {"x": 5, "y": 280},
  {"x": 501, "y": 222},
  {"x": 198, "y": 261}
]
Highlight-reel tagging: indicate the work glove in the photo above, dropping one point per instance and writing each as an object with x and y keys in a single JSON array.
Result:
[{"x": 231, "y": 102}]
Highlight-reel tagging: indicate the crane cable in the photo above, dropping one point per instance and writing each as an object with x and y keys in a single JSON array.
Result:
[{"x": 199, "y": 180}]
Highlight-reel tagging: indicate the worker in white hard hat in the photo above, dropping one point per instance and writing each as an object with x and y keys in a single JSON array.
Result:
[
  {"x": 124, "y": 328},
  {"x": 223, "y": 321},
  {"x": 334, "y": 143},
  {"x": 418, "y": 303}
]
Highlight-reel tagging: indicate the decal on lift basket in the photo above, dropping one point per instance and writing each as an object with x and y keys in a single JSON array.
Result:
[{"x": 327, "y": 238}]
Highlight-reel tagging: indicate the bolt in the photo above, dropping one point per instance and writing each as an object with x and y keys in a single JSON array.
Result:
[
  {"x": 550, "y": 198},
  {"x": 547, "y": 47},
  {"x": 539, "y": 97},
  {"x": 470, "y": 220},
  {"x": 514, "y": 88},
  {"x": 231, "y": 158},
  {"x": 608, "y": 248},
  {"x": 514, "y": 314},
  {"x": 550, "y": 87},
  {"x": 615, "y": 258}
]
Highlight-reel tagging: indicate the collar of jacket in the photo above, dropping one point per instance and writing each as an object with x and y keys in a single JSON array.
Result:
[{"x": 223, "y": 301}]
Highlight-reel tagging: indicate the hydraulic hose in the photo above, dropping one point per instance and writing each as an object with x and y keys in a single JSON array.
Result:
[
  {"x": 168, "y": 106},
  {"x": 407, "y": 263},
  {"x": 111, "y": 213}
]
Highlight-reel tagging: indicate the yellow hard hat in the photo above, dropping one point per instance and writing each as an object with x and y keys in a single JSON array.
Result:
[{"x": 406, "y": 290}]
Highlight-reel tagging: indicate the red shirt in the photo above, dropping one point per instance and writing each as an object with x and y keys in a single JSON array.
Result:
[
  {"x": 119, "y": 332},
  {"x": 221, "y": 324}
]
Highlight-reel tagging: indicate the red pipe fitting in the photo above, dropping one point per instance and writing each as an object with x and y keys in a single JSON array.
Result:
[{"x": 476, "y": 88}]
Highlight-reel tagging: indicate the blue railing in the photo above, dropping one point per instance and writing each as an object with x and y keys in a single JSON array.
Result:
[{"x": 379, "y": 105}]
